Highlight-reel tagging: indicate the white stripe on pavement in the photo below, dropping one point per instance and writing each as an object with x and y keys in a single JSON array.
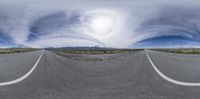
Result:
[
  {"x": 24, "y": 76},
  {"x": 167, "y": 78}
]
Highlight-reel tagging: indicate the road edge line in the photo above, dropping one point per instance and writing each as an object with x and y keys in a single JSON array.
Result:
[
  {"x": 167, "y": 78},
  {"x": 24, "y": 76}
]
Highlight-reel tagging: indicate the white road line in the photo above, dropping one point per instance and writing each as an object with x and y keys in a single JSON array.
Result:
[
  {"x": 169, "y": 79},
  {"x": 24, "y": 76}
]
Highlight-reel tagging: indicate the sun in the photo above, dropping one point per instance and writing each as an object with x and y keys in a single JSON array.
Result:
[{"x": 100, "y": 24}]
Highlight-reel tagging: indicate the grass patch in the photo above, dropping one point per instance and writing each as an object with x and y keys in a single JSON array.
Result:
[
  {"x": 15, "y": 50},
  {"x": 180, "y": 51},
  {"x": 98, "y": 51}
]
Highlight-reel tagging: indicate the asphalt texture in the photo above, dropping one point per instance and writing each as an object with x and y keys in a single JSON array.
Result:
[
  {"x": 13, "y": 66},
  {"x": 124, "y": 76},
  {"x": 182, "y": 67}
]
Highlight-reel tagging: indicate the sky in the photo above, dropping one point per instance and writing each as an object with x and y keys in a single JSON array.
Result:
[{"x": 103, "y": 23}]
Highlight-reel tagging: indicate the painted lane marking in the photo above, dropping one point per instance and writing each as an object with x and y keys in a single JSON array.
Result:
[
  {"x": 167, "y": 78},
  {"x": 24, "y": 76}
]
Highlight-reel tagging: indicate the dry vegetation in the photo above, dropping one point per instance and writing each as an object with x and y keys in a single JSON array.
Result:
[
  {"x": 181, "y": 51},
  {"x": 107, "y": 51},
  {"x": 15, "y": 50}
]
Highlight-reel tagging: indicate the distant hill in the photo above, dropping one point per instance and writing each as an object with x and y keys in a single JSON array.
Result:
[
  {"x": 21, "y": 46},
  {"x": 82, "y": 48}
]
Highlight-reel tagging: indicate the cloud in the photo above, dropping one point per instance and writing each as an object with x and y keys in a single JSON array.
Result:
[
  {"x": 167, "y": 42},
  {"x": 173, "y": 21},
  {"x": 170, "y": 20},
  {"x": 5, "y": 41},
  {"x": 62, "y": 23},
  {"x": 61, "y": 42}
]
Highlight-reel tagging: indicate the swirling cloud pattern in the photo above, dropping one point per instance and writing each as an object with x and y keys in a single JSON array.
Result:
[{"x": 120, "y": 24}]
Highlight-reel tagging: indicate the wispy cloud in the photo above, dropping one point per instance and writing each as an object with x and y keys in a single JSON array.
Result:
[{"x": 61, "y": 23}]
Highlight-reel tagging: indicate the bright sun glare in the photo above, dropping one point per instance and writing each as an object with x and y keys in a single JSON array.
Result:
[{"x": 101, "y": 24}]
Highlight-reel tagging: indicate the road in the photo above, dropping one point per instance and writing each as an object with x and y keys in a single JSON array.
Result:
[
  {"x": 13, "y": 66},
  {"x": 178, "y": 66},
  {"x": 122, "y": 76}
]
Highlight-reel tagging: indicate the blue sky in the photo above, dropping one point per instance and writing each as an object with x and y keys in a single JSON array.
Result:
[
  {"x": 113, "y": 23},
  {"x": 168, "y": 42}
]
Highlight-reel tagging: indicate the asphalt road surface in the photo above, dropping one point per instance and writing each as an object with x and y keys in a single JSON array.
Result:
[
  {"x": 178, "y": 66},
  {"x": 117, "y": 76}
]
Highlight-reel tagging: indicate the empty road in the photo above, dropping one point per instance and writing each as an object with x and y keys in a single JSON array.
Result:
[{"x": 135, "y": 75}]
